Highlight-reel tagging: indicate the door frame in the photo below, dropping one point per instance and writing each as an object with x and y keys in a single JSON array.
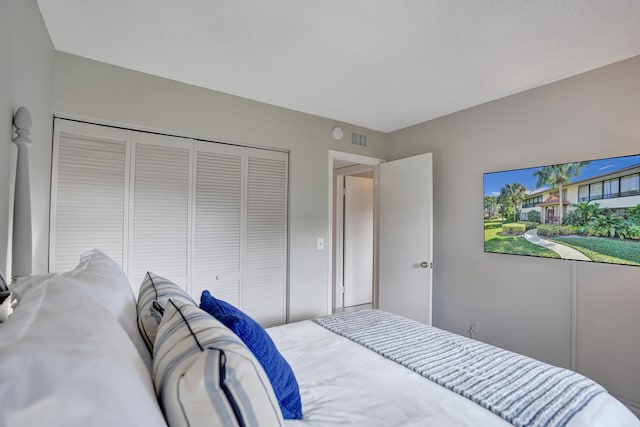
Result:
[
  {"x": 339, "y": 229},
  {"x": 365, "y": 160}
]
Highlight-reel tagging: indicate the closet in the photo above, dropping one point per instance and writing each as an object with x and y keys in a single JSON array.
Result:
[{"x": 205, "y": 215}]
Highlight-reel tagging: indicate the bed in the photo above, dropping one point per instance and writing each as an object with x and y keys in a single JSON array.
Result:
[
  {"x": 74, "y": 353},
  {"x": 82, "y": 349},
  {"x": 344, "y": 383}
]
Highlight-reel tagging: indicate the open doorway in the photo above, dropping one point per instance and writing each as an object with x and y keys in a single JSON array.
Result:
[
  {"x": 353, "y": 236},
  {"x": 353, "y": 231}
]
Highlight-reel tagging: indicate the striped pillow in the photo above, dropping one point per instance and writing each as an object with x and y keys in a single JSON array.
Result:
[
  {"x": 205, "y": 376},
  {"x": 156, "y": 289},
  {"x": 278, "y": 370}
]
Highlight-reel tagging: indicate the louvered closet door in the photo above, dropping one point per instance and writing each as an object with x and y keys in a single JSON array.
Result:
[
  {"x": 89, "y": 193},
  {"x": 265, "y": 260},
  {"x": 160, "y": 207},
  {"x": 204, "y": 215},
  {"x": 218, "y": 221}
]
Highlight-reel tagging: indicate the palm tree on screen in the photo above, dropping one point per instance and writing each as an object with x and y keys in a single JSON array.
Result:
[
  {"x": 556, "y": 176},
  {"x": 512, "y": 195}
]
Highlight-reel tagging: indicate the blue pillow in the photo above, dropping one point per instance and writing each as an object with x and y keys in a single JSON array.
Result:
[{"x": 259, "y": 342}]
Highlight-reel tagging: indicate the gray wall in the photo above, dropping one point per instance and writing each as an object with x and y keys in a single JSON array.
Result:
[
  {"x": 104, "y": 92},
  {"x": 6, "y": 114},
  {"x": 26, "y": 77},
  {"x": 522, "y": 303}
]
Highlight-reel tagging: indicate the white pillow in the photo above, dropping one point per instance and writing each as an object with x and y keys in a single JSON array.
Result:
[
  {"x": 205, "y": 376},
  {"x": 103, "y": 279},
  {"x": 156, "y": 289},
  {"x": 66, "y": 361}
]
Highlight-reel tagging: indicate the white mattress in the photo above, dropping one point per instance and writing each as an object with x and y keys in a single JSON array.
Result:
[{"x": 343, "y": 383}]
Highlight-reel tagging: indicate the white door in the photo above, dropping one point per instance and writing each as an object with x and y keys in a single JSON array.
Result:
[
  {"x": 160, "y": 212},
  {"x": 406, "y": 224},
  {"x": 218, "y": 217},
  {"x": 264, "y": 272},
  {"x": 205, "y": 215},
  {"x": 89, "y": 186},
  {"x": 358, "y": 241}
]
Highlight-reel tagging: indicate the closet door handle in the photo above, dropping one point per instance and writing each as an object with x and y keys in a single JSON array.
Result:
[{"x": 424, "y": 264}]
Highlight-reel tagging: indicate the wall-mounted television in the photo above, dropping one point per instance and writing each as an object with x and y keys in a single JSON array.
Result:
[{"x": 584, "y": 210}]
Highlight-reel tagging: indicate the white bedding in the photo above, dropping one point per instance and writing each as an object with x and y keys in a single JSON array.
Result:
[{"x": 343, "y": 383}]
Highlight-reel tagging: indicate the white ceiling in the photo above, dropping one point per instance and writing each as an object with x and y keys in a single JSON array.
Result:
[{"x": 380, "y": 64}]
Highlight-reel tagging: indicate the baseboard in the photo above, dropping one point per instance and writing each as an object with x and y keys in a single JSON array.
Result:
[{"x": 633, "y": 406}]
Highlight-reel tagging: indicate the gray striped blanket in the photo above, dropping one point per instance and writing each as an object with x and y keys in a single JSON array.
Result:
[{"x": 521, "y": 390}]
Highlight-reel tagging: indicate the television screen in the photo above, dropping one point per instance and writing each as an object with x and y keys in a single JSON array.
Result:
[{"x": 587, "y": 211}]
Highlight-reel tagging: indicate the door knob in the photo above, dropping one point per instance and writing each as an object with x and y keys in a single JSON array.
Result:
[{"x": 424, "y": 264}]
